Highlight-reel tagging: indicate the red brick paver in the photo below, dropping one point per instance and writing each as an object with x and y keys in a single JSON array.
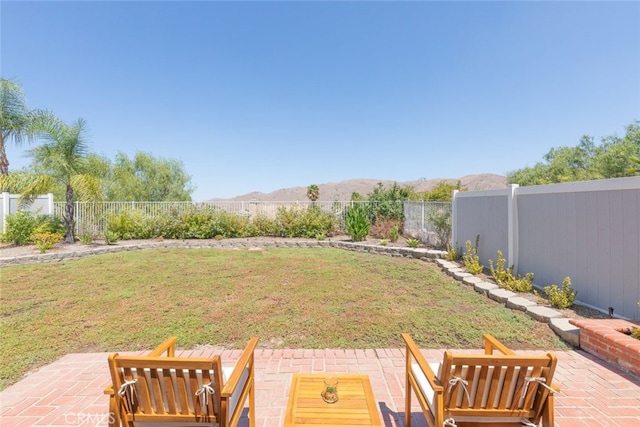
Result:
[{"x": 69, "y": 392}]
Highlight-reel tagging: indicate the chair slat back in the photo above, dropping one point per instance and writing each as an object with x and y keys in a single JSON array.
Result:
[
  {"x": 474, "y": 384},
  {"x": 168, "y": 388}
]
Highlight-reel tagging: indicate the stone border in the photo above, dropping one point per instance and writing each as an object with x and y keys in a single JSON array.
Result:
[
  {"x": 559, "y": 324},
  {"x": 418, "y": 253}
]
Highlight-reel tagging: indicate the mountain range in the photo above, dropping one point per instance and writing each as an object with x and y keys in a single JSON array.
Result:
[{"x": 342, "y": 190}]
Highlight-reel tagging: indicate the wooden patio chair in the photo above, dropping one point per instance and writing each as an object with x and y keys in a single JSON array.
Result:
[
  {"x": 161, "y": 389},
  {"x": 481, "y": 389}
]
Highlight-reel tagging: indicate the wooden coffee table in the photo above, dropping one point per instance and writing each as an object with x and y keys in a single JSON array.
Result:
[{"x": 356, "y": 404}]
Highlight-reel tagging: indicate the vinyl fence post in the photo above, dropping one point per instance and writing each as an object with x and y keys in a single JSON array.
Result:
[
  {"x": 512, "y": 231},
  {"x": 454, "y": 219},
  {"x": 50, "y": 208},
  {"x": 4, "y": 211}
]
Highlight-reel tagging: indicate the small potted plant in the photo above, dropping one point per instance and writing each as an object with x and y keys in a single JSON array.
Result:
[{"x": 330, "y": 392}]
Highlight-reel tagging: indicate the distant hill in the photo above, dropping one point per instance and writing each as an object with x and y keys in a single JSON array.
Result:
[{"x": 342, "y": 190}]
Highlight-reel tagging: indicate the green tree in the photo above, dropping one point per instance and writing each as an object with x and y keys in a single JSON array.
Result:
[
  {"x": 615, "y": 155},
  {"x": 62, "y": 160},
  {"x": 146, "y": 178},
  {"x": 16, "y": 120},
  {"x": 388, "y": 202},
  {"x": 442, "y": 192},
  {"x": 313, "y": 192},
  {"x": 635, "y": 169},
  {"x": 612, "y": 158}
]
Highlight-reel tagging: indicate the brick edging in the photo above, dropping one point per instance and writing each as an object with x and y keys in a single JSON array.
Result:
[{"x": 606, "y": 339}]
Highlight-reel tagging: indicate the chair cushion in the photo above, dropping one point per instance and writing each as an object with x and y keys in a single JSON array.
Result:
[
  {"x": 235, "y": 397},
  {"x": 423, "y": 383}
]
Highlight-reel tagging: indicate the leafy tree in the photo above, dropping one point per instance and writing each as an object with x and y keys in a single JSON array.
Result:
[
  {"x": 143, "y": 178},
  {"x": 387, "y": 202},
  {"x": 357, "y": 197},
  {"x": 146, "y": 178},
  {"x": 615, "y": 155},
  {"x": 313, "y": 192},
  {"x": 16, "y": 120},
  {"x": 62, "y": 160},
  {"x": 442, "y": 192},
  {"x": 635, "y": 169},
  {"x": 612, "y": 158}
]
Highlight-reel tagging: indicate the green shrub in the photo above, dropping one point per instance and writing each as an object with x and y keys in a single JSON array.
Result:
[
  {"x": 111, "y": 237},
  {"x": 413, "y": 243},
  {"x": 394, "y": 233},
  {"x": 505, "y": 277},
  {"x": 46, "y": 240},
  {"x": 262, "y": 225},
  {"x": 131, "y": 224},
  {"x": 561, "y": 297},
  {"x": 308, "y": 223},
  {"x": 471, "y": 259},
  {"x": 86, "y": 238},
  {"x": 453, "y": 254},
  {"x": 50, "y": 224},
  {"x": 383, "y": 242},
  {"x": 442, "y": 224},
  {"x": 21, "y": 226},
  {"x": 358, "y": 224}
]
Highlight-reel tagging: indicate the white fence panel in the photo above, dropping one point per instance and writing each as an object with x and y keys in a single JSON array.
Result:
[
  {"x": 10, "y": 204},
  {"x": 589, "y": 231},
  {"x": 484, "y": 214}
]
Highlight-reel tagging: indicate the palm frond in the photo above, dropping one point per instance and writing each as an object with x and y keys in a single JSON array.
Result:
[{"x": 88, "y": 188}]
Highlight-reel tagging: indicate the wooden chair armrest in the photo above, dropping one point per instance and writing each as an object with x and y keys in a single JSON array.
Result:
[
  {"x": 246, "y": 359},
  {"x": 168, "y": 346},
  {"x": 109, "y": 390},
  {"x": 491, "y": 344},
  {"x": 414, "y": 352}
]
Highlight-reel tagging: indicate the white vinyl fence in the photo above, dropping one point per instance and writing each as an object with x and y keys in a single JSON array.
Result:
[
  {"x": 589, "y": 231},
  {"x": 10, "y": 204}
]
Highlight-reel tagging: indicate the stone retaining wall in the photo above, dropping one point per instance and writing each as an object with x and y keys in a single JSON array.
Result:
[{"x": 52, "y": 256}]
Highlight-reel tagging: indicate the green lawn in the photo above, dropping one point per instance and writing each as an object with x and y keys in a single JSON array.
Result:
[{"x": 296, "y": 298}]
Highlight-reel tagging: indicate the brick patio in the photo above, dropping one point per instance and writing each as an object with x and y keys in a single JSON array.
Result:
[{"x": 69, "y": 392}]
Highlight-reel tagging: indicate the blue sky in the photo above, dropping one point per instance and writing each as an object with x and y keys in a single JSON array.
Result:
[{"x": 258, "y": 96}]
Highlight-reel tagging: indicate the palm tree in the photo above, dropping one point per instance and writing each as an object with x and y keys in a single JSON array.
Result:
[
  {"x": 62, "y": 160},
  {"x": 313, "y": 192},
  {"x": 16, "y": 120}
]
